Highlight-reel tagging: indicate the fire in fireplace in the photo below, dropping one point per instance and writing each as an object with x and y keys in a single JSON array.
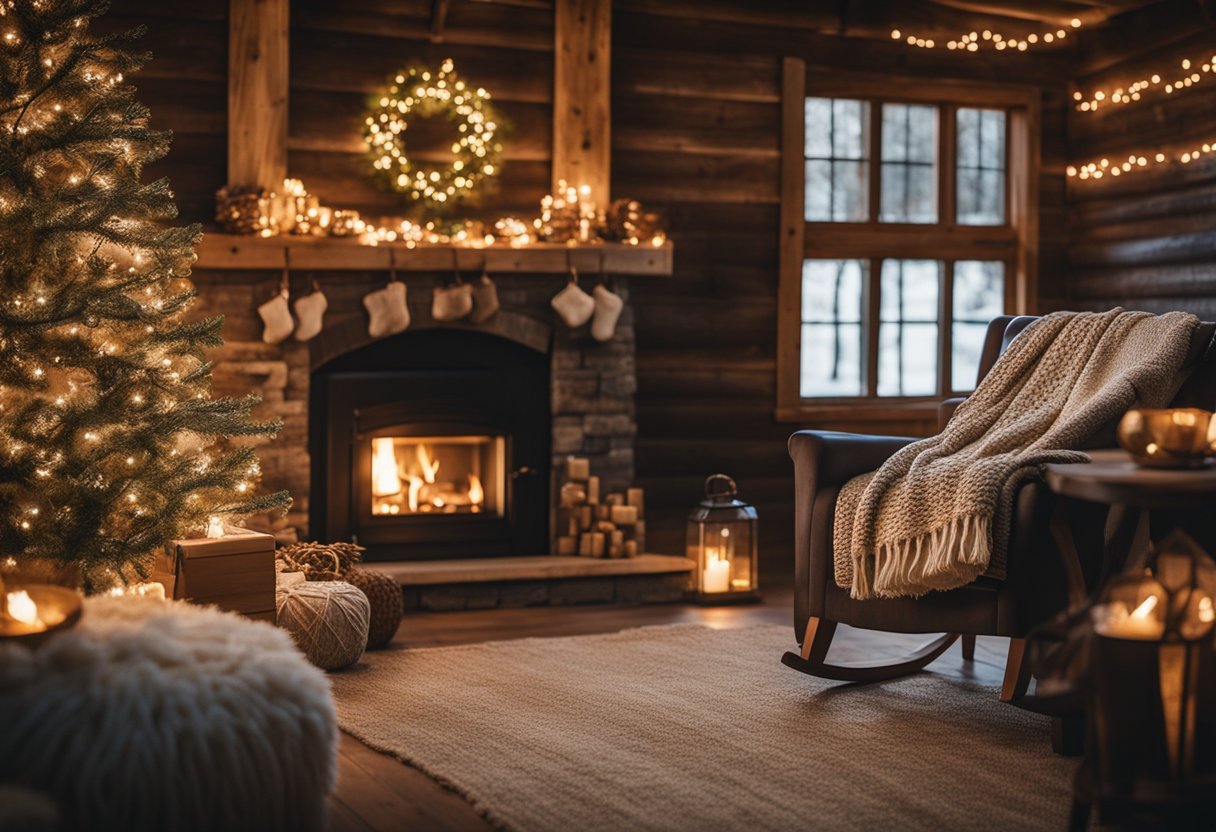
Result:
[
  {"x": 414, "y": 475},
  {"x": 432, "y": 444}
]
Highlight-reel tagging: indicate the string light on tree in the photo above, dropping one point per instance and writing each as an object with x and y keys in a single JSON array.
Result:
[
  {"x": 989, "y": 39},
  {"x": 424, "y": 92},
  {"x": 1188, "y": 73}
]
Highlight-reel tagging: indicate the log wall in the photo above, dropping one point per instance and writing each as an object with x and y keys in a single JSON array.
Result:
[
  {"x": 695, "y": 133},
  {"x": 1147, "y": 239}
]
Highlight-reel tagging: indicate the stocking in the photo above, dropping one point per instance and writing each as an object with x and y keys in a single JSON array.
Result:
[
  {"x": 387, "y": 310},
  {"x": 608, "y": 307},
  {"x": 485, "y": 300},
  {"x": 310, "y": 311},
  {"x": 451, "y": 303},
  {"x": 276, "y": 318},
  {"x": 573, "y": 305}
]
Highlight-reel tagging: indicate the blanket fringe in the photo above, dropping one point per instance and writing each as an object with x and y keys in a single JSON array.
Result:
[{"x": 947, "y": 557}]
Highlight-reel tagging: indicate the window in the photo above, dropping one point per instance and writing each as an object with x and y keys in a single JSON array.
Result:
[{"x": 908, "y": 206}]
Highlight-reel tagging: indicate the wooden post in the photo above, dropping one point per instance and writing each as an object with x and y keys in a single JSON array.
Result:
[
  {"x": 581, "y": 90},
  {"x": 257, "y": 92}
]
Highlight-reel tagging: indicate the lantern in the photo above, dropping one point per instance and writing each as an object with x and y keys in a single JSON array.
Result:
[
  {"x": 722, "y": 541},
  {"x": 1151, "y": 719}
]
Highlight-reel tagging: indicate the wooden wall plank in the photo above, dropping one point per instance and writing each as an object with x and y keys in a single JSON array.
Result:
[
  {"x": 257, "y": 92},
  {"x": 582, "y": 108}
]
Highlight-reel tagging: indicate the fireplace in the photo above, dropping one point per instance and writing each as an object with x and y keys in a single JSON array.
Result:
[{"x": 433, "y": 444}]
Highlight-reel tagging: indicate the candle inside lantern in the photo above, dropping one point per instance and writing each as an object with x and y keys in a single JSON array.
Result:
[
  {"x": 215, "y": 528},
  {"x": 716, "y": 577},
  {"x": 1141, "y": 624}
]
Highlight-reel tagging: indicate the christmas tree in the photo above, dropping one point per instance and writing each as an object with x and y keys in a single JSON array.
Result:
[{"x": 110, "y": 442}]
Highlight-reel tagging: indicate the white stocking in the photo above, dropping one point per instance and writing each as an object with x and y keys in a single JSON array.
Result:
[
  {"x": 387, "y": 311},
  {"x": 573, "y": 305},
  {"x": 485, "y": 300},
  {"x": 276, "y": 318},
  {"x": 608, "y": 307},
  {"x": 310, "y": 311},
  {"x": 451, "y": 303}
]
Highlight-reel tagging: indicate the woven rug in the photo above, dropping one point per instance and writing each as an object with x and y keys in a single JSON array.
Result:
[{"x": 689, "y": 728}]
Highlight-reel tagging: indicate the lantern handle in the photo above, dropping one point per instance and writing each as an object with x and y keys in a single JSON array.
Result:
[{"x": 731, "y": 488}]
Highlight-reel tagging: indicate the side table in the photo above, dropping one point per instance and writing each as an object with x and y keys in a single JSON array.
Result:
[{"x": 1131, "y": 491}]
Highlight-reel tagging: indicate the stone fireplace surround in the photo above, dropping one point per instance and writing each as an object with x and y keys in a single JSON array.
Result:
[{"x": 592, "y": 384}]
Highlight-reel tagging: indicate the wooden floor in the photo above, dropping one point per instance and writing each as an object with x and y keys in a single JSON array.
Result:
[{"x": 377, "y": 792}]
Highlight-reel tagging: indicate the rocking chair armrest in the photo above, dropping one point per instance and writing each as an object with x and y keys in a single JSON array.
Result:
[
  {"x": 945, "y": 411},
  {"x": 827, "y": 458}
]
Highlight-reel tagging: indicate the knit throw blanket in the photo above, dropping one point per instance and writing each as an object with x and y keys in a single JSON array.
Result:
[{"x": 937, "y": 514}]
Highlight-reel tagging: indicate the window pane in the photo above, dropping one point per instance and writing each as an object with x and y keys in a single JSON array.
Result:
[
  {"x": 981, "y": 167},
  {"x": 837, "y": 153},
  {"x": 979, "y": 296},
  {"x": 908, "y": 332},
  {"x": 909, "y": 169},
  {"x": 832, "y": 292}
]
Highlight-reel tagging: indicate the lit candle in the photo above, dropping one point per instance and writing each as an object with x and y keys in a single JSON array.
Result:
[
  {"x": 1114, "y": 620},
  {"x": 716, "y": 577},
  {"x": 215, "y": 528}
]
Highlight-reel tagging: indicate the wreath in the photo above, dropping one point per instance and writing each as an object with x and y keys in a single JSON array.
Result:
[{"x": 428, "y": 93}]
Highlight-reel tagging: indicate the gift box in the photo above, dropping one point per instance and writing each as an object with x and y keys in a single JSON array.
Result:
[{"x": 233, "y": 572}]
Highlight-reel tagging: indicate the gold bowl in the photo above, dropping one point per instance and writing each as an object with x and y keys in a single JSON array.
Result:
[
  {"x": 45, "y": 609},
  {"x": 1169, "y": 437}
]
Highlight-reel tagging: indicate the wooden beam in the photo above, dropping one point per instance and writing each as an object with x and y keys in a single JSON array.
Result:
[
  {"x": 793, "y": 225},
  {"x": 439, "y": 18},
  {"x": 581, "y": 95},
  {"x": 257, "y": 92}
]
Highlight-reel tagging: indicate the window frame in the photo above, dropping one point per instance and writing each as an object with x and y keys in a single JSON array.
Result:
[{"x": 1015, "y": 243}]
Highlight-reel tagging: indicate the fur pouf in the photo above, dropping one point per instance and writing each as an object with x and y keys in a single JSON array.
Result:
[{"x": 153, "y": 715}]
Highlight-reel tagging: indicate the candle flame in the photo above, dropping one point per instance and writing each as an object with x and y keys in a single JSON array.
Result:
[
  {"x": 1206, "y": 613},
  {"x": 384, "y": 468},
  {"x": 21, "y": 607}
]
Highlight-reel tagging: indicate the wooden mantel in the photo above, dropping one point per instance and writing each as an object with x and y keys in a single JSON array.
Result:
[{"x": 231, "y": 251}]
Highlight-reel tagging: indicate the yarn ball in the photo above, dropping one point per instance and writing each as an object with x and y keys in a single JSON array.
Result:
[
  {"x": 328, "y": 620},
  {"x": 387, "y": 605}
]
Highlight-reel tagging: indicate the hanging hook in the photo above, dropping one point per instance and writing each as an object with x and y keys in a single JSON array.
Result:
[
  {"x": 283, "y": 281},
  {"x": 456, "y": 265},
  {"x": 392, "y": 265},
  {"x": 570, "y": 266}
]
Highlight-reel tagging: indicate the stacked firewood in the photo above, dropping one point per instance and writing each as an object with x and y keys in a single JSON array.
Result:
[{"x": 598, "y": 525}]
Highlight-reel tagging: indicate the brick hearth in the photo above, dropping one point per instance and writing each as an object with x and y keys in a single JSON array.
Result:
[{"x": 592, "y": 384}]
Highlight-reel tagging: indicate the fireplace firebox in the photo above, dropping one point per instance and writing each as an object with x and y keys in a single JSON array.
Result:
[{"x": 433, "y": 444}]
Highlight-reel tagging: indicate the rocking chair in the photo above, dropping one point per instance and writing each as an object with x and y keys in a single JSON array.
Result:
[{"x": 1039, "y": 582}]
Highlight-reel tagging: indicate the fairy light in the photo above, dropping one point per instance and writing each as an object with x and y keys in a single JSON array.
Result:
[
  {"x": 1167, "y": 81},
  {"x": 988, "y": 39},
  {"x": 1137, "y": 162}
]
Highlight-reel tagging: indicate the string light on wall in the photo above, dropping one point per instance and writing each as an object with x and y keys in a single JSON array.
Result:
[
  {"x": 1137, "y": 161},
  {"x": 988, "y": 39},
  {"x": 1190, "y": 73}
]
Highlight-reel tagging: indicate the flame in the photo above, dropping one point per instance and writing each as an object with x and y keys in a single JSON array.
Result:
[
  {"x": 384, "y": 468},
  {"x": 415, "y": 486},
  {"x": 476, "y": 493},
  {"x": 1146, "y": 607},
  {"x": 21, "y": 607},
  {"x": 1206, "y": 613},
  {"x": 429, "y": 469}
]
